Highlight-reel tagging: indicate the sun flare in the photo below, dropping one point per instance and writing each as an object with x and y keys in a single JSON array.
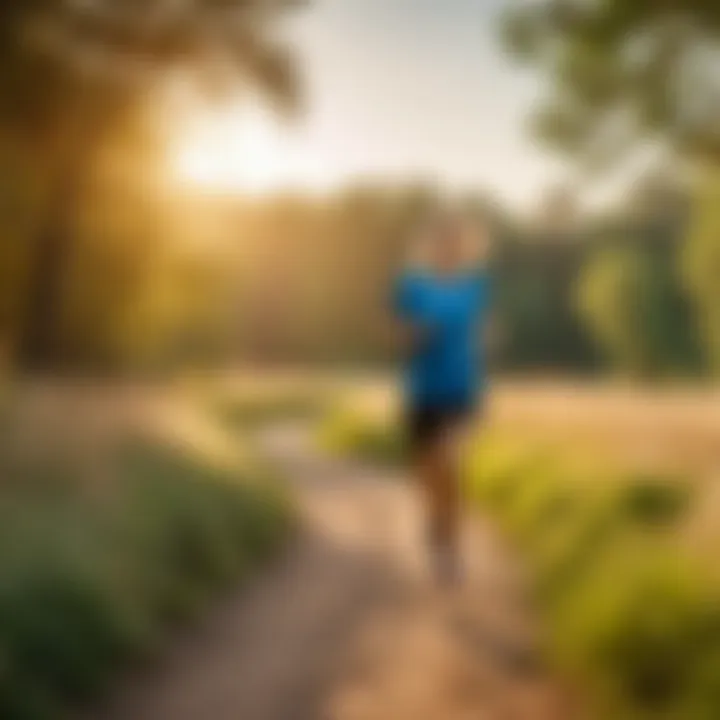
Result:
[{"x": 237, "y": 149}]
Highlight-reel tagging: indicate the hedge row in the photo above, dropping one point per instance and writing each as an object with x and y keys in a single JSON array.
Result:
[
  {"x": 630, "y": 616},
  {"x": 91, "y": 578}
]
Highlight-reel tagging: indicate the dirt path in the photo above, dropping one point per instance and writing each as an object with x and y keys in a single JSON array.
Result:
[{"x": 347, "y": 627}]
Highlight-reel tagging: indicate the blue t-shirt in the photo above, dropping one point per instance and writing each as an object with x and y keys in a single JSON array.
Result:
[{"x": 447, "y": 367}]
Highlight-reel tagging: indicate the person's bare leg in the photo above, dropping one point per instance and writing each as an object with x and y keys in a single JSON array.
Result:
[
  {"x": 446, "y": 495},
  {"x": 455, "y": 444},
  {"x": 438, "y": 469},
  {"x": 426, "y": 470}
]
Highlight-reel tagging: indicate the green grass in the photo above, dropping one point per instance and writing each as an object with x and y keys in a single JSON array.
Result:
[
  {"x": 631, "y": 619},
  {"x": 371, "y": 439},
  {"x": 247, "y": 411},
  {"x": 628, "y": 614},
  {"x": 91, "y": 579}
]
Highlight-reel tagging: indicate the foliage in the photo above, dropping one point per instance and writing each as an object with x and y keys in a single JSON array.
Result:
[
  {"x": 535, "y": 276},
  {"x": 325, "y": 313},
  {"x": 150, "y": 276},
  {"x": 622, "y": 71},
  {"x": 162, "y": 279},
  {"x": 635, "y": 622},
  {"x": 702, "y": 265},
  {"x": 66, "y": 63},
  {"x": 654, "y": 500},
  {"x": 92, "y": 578},
  {"x": 626, "y": 612},
  {"x": 74, "y": 76},
  {"x": 349, "y": 433},
  {"x": 613, "y": 299},
  {"x": 629, "y": 300}
]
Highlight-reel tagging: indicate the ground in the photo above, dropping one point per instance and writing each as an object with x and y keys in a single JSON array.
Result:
[{"x": 348, "y": 626}]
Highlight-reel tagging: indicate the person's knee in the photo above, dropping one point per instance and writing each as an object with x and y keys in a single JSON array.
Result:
[{"x": 449, "y": 450}]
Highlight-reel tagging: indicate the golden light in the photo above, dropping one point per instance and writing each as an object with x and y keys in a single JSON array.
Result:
[{"x": 238, "y": 148}]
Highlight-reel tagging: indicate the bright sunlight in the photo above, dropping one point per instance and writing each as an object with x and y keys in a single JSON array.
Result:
[{"x": 238, "y": 149}]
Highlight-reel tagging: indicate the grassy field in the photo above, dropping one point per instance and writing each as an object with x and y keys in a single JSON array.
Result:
[
  {"x": 611, "y": 496},
  {"x": 124, "y": 509},
  {"x": 675, "y": 427}
]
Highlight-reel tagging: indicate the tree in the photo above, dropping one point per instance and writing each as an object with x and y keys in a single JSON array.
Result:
[
  {"x": 606, "y": 302},
  {"x": 623, "y": 70},
  {"x": 535, "y": 273},
  {"x": 627, "y": 70},
  {"x": 627, "y": 297},
  {"x": 72, "y": 71},
  {"x": 702, "y": 265}
]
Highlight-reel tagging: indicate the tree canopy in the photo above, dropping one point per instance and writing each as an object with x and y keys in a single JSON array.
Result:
[
  {"x": 73, "y": 73},
  {"x": 70, "y": 60},
  {"x": 623, "y": 70}
]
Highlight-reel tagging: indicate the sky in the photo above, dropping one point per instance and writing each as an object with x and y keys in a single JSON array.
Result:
[
  {"x": 394, "y": 91},
  {"x": 416, "y": 89}
]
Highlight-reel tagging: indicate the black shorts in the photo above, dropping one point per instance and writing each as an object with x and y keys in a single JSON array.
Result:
[{"x": 425, "y": 423}]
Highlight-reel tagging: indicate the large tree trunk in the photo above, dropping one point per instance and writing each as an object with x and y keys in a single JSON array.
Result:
[{"x": 39, "y": 346}]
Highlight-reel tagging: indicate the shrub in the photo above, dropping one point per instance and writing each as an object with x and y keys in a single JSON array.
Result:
[
  {"x": 642, "y": 629},
  {"x": 625, "y": 611},
  {"x": 655, "y": 500},
  {"x": 88, "y": 581},
  {"x": 361, "y": 436}
]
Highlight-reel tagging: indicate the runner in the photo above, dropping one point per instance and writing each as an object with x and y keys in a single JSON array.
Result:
[{"x": 441, "y": 301}]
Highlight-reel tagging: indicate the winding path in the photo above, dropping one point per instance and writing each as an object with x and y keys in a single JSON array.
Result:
[{"x": 347, "y": 627}]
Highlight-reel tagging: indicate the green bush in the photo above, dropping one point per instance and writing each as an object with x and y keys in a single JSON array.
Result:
[
  {"x": 642, "y": 628},
  {"x": 639, "y": 625},
  {"x": 655, "y": 500},
  {"x": 363, "y": 437},
  {"x": 91, "y": 580}
]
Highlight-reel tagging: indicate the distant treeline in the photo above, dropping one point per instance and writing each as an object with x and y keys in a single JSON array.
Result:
[
  {"x": 159, "y": 277},
  {"x": 572, "y": 295}
]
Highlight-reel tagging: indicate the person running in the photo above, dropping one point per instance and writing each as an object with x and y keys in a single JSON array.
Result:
[{"x": 441, "y": 304}]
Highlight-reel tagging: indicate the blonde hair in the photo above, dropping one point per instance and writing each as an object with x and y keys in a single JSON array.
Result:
[{"x": 475, "y": 238}]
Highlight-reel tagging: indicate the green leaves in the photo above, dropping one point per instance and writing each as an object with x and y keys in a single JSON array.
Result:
[
  {"x": 522, "y": 34},
  {"x": 701, "y": 264},
  {"x": 636, "y": 58},
  {"x": 631, "y": 302},
  {"x": 87, "y": 584},
  {"x": 628, "y": 616}
]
